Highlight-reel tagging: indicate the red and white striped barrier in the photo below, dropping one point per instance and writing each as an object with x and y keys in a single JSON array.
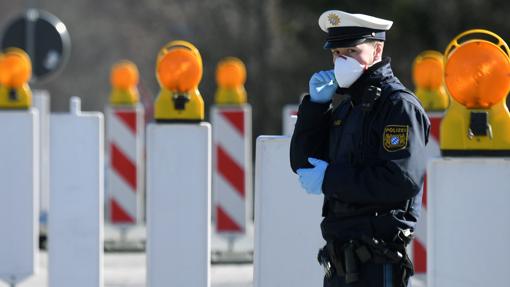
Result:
[
  {"x": 419, "y": 246},
  {"x": 126, "y": 164},
  {"x": 232, "y": 171}
]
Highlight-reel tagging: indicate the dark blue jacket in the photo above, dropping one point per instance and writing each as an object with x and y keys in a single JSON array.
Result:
[{"x": 373, "y": 184}]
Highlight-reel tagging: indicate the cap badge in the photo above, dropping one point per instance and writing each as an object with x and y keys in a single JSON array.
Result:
[{"x": 334, "y": 19}]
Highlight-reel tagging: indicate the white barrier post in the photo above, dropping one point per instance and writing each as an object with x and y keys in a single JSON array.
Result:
[
  {"x": 287, "y": 121},
  {"x": 125, "y": 137},
  {"x": 77, "y": 186},
  {"x": 468, "y": 222},
  {"x": 287, "y": 221},
  {"x": 19, "y": 189},
  {"x": 41, "y": 101},
  {"x": 178, "y": 174},
  {"x": 178, "y": 204},
  {"x": 232, "y": 181}
]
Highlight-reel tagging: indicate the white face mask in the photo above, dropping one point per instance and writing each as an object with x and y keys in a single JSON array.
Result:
[{"x": 347, "y": 71}]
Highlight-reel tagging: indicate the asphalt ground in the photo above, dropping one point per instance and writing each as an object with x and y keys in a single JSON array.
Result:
[{"x": 128, "y": 270}]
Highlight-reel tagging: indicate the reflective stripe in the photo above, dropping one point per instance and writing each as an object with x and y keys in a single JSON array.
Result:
[{"x": 388, "y": 275}]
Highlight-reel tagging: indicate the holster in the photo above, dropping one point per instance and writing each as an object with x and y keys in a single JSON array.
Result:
[{"x": 345, "y": 257}]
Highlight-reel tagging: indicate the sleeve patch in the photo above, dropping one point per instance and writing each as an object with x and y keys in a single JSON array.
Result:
[{"x": 395, "y": 137}]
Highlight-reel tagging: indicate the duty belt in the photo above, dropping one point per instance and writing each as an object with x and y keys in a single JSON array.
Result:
[
  {"x": 341, "y": 209},
  {"x": 343, "y": 259}
]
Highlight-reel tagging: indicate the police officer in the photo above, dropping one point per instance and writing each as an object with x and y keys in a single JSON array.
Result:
[{"x": 360, "y": 140}]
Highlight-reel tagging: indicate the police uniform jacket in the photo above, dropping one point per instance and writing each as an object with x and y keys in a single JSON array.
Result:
[{"x": 375, "y": 147}]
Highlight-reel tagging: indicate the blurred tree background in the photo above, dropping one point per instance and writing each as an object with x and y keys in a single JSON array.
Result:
[{"x": 279, "y": 41}]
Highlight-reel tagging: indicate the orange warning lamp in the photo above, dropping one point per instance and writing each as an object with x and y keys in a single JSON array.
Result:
[
  {"x": 4, "y": 77},
  {"x": 477, "y": 76},
  {"x": 179, "y": 72},
  {"x": 180, "y": 44},
  {"x": 478, "y": 80},
  {"x": 124, "y": 78},
  {"x": 230, "y": 77},
  {"x": 230, "y": 73},
  {"x": 124, "y": 75},
  {"x": 17, "y": 68},
  {"x": 15, "y": 72},
  {"x": 428, "y": 79}
]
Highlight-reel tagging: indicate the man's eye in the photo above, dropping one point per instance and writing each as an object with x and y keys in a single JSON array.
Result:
[{"x": 352, "y": 51}]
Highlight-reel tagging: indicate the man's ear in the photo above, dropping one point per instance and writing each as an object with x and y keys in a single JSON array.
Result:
[{"x": 378, "y": 50}]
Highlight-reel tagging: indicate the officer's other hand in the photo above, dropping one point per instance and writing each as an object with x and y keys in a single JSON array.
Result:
[
  {"x": 323, "y": 86},
  {"x": 311, "y": 178}
]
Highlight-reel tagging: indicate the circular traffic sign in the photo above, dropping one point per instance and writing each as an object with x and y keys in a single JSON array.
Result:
[{"x": 44, "y": 37}]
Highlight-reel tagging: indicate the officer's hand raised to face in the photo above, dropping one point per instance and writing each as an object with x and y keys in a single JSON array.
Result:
[{"x": 322, "y": 86}]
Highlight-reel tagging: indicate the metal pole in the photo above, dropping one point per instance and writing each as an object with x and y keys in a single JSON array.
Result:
[
  {"x": 31, "y": 4},
  {"x": 12, "y": 282},
  {"x": 231, "y": 242},
  {"x": 31, "y": 16}
]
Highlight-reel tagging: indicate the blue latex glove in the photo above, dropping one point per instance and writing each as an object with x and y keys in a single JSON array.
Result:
[
  {"x": 322, "y": 86},
  {"x": 311, "y": 178}
]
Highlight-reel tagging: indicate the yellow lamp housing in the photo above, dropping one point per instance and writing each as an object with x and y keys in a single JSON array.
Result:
[
  {"x": 15, "y": 72},
  {"x": 124, "y": 78},
  {"x": 428, "y": 79},
  {"x": 174, "y": 107},
  {"x": 179, "y": 71},
  {"x": 230, "y": 77},
  {"x": 477, "y": 76}
]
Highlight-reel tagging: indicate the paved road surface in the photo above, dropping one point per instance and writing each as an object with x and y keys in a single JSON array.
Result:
[{"x": 128, "y": 270}]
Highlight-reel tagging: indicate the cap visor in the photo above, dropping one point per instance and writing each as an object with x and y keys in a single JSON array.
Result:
[{"x": 343, "y": 43}]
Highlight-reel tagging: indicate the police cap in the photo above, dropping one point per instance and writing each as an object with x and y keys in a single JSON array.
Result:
[{"x": 348, "y": 30}]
